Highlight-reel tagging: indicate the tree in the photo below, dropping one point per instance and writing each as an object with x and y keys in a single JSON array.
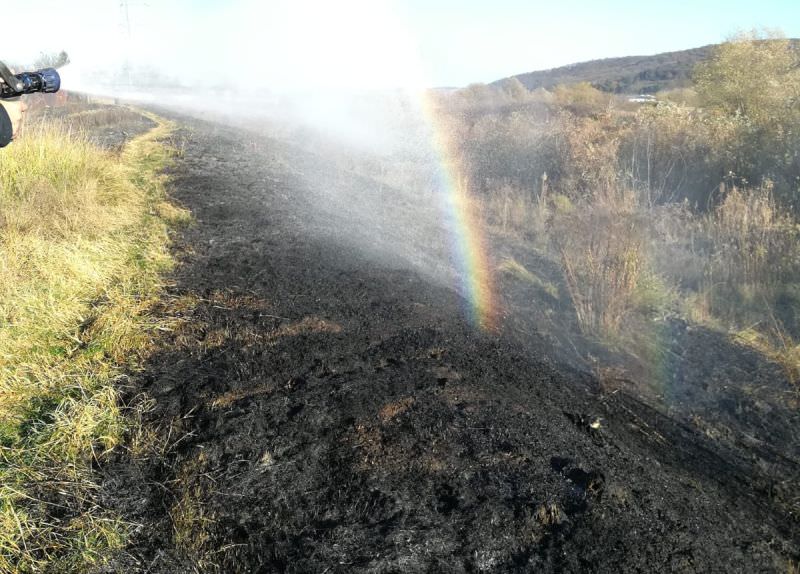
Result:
[
  {"x": 752, "y": 83},
  {"x": 581, "y": 98},
  {"x": 752, "y": 75},
  {"x": 515, "y": 90},
  {"x": 51, "y": 60}
]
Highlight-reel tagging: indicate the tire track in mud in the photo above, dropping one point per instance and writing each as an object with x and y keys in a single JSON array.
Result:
[{"x": 325, "y": 409}]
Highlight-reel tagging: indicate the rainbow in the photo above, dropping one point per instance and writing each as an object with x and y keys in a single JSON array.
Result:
[{"x": 465, "y": 224}]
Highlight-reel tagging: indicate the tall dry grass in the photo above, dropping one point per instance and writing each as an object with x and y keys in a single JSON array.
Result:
[
  {"x": 601, "y": 245},
  {"x": 754, "y": 240},
  {"x": 676, "y": 242}
]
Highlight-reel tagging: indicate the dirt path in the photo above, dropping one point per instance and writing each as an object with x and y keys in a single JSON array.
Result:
[{"x": 329, "y": 410}]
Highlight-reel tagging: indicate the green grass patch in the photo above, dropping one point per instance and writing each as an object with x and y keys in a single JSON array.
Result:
[{"x": 83, "y": 247}]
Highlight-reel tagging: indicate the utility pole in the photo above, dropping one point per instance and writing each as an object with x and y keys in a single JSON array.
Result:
[
  {"x": 126, "y": 18},
  {"x": 126, "y": 24}
]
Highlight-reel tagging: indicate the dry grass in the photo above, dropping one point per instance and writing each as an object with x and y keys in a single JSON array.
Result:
[
  {"x": 754, "y": 241},
  {"x": 776, "y": 344},
  {"x": 604, "y": 263},
  {"x": 554, "y": 175},
  {"x": 514, "y": 212},
  {"x": 550, "y": 514},
  {"x": 307, "y": 326},
  {"x": 227, "y": 399},
  {"x": 753, "y": 256},
  {"x": 193, "y": 518},
  {"x": 514, "y": 268},
  {"x": 391, "y": 410},
  {"x": 111, "y": 115},
  {"x": 191, "y": 522},
  {"x": 83, "y": 237}
]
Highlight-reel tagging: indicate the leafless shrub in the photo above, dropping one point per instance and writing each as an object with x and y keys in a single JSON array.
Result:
[{"x": 604, "y": 263}]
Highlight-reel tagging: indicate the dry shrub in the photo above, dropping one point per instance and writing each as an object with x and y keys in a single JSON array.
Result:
[
  {"x": 588, "y": 149},
  {"x": 679, "y": 243},
  {"x": 754, "y": 242},
  {"x": 674, "y": 152},
  {"x": 752, "y": 255},
  {"x": 582, "y": 98},
  {"x": 515, "y": 212},
  {"x": 601, "y": 245},
  {"x": 499, "y": 150}
]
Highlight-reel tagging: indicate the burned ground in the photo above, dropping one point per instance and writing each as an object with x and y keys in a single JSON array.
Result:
[{"x": 320, "y": 407}]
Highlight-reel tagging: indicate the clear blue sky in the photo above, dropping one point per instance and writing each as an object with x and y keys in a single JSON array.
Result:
[{"x": 372, "y": 43}]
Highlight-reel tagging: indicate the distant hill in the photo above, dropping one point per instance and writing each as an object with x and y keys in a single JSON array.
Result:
[{"x": 628, "y": 75}]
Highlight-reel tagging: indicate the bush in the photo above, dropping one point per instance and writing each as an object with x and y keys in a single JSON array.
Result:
[
  {"x": 582, "y": 99},
  {"x": 753, "y": 81},
  {"x": 604, "y": 263}
]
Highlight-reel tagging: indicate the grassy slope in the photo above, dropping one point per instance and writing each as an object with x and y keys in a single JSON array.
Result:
[{"x": 83, "y": 244}]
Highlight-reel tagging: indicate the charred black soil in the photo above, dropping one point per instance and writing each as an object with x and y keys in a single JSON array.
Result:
[{"x": 322, "y": 408}]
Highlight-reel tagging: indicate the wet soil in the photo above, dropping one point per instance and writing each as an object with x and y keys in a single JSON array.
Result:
[{"x": 322, "y": 406}]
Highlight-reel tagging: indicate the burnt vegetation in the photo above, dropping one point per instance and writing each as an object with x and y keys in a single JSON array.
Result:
[
  {"x": 286, "y": 381},
  {"x": 317, "y": 407}
]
